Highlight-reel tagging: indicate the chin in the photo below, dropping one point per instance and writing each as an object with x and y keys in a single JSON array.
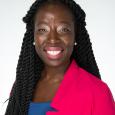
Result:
[{"x": 54, "y": 63}]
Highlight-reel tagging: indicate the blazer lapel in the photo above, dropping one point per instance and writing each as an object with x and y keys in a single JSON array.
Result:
[{"x": 60, "y": 98}]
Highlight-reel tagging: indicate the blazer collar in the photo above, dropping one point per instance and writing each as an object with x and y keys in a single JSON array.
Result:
[{"x": 69, "y": 76}]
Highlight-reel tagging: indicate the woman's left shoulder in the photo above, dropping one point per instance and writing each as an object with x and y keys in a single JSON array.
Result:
[
  {"x": 93, "y": 81},
  {"x": 102, "y": 98}
]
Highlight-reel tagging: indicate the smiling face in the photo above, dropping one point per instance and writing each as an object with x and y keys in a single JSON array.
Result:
[{"x": 54, "y": 34}]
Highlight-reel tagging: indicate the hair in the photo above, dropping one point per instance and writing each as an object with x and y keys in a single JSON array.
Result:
[{"x": 29, "y": 65}]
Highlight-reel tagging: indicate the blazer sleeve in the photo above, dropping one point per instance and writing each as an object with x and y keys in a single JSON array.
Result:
[{"x": 104, "y": 103}]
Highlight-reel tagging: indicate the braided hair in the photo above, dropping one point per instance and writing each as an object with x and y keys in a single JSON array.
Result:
[{"x": 29, "y": 65}]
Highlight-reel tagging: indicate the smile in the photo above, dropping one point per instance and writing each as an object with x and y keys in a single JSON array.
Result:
[{"x": 53, "y": 53}]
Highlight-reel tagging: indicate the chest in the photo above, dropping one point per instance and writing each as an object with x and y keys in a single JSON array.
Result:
[{"x": 45, "y": 90}]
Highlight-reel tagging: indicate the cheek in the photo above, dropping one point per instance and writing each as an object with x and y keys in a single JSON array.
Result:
[
  {"x": 69, "y": 44},
  {"x": 39, "y": 40},
  {"x": 69, "y": 41}
]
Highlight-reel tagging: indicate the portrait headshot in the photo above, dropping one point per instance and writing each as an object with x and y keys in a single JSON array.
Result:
[{"x": 59, "y": 71}]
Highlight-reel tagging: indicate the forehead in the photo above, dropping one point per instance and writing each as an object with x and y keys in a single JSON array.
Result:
[{"x": 57, "y": 12}]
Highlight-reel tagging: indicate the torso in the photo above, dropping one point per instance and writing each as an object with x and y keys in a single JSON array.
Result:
[{"x": 45, "y": 90}]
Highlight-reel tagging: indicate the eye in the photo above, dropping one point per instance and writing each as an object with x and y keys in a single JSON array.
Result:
[
  {"x": 65, "y": 29},
  {"x": 42, "y": 30}
]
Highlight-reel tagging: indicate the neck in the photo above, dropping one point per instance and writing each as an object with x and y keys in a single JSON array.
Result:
[{"x": 51, "y": 72}]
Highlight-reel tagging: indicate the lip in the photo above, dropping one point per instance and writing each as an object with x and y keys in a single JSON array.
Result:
[
  {"x": 54, "y": 57},
  {"x": 53, "y": 48}
]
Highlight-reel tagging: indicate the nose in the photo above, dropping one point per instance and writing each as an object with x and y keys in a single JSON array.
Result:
[{"x": 53, "y": 37}]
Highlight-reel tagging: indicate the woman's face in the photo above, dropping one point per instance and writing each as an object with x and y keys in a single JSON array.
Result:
[{"x": 54, "y": 34}]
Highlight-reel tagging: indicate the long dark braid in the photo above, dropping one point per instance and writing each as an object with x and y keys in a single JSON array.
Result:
[{"x": 29, "y": 65}]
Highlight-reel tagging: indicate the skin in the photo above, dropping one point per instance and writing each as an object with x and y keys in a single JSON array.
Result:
[{"x": 53, "y": 28}]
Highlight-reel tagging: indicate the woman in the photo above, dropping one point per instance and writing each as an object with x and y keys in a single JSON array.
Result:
[{"x": 57, "y": 73}]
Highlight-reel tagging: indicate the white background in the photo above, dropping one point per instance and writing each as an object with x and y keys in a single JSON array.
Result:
[{"x": 100, "y": 18}]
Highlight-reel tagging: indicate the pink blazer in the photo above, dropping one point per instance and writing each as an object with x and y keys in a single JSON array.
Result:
[{"x": 81, "y": 93}]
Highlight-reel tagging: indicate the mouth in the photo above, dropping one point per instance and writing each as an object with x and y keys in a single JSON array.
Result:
[{"x": 54, "y": 52}]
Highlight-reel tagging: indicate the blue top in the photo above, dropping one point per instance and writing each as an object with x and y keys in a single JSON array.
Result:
[{"x": 39, "y": 108}]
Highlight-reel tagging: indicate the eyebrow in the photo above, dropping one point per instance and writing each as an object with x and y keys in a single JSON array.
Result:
[
  {"x": 61, "y": 22},
  {"x": 66, "y": 22}
]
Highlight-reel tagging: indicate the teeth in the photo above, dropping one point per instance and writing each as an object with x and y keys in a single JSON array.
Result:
[{"x": 53, "y": 52}]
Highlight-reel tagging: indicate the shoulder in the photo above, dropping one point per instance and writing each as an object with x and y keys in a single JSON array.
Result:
[
  {"x": 92, "y": 81},
  {"x": 95, "y": 86},
  {"x": 89, "y": 83},
  {"x": 102, "y": 98}
]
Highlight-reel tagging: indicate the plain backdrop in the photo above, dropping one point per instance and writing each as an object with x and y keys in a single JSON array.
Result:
[{"x": 100, "y": 19}]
